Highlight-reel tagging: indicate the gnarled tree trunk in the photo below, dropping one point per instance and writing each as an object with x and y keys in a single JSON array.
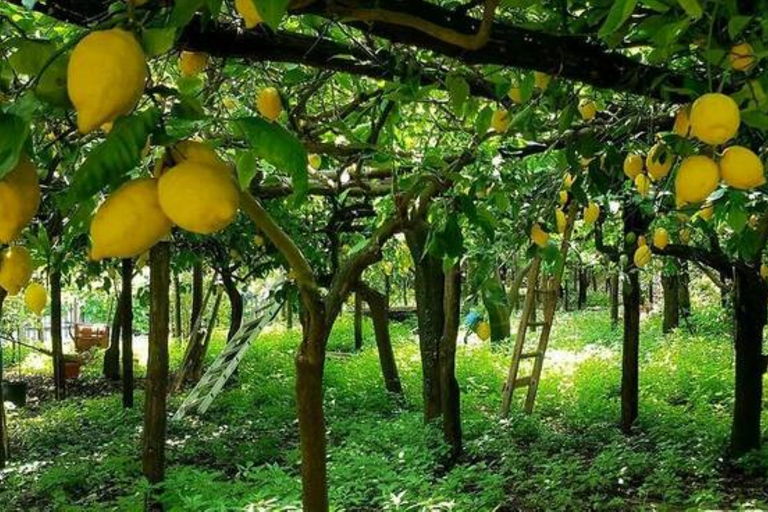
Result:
[
  {"x": 111, "y": 366},
  {"x": 235, "y": 302},
  {"x": 685, "y": 291},
  {"x": 377, "y": 303},
  {"x": 450, "y": 394},
  {"x": 613, "y": 285},
  {"x": 126, "y": 321},
  {"x": 671, "y": 287}
]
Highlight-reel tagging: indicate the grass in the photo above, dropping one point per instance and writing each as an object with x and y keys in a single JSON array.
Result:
[{"x": 82, "y": 453}]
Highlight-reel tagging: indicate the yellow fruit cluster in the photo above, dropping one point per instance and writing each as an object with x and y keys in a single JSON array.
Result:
[{"x": 19, "y": 199}]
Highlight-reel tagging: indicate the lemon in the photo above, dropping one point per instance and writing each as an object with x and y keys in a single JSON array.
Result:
[
  {"x": 269, "y": 104},
  {"x": 129, "y": 222},
  {"x": 633, "y": 165},
  {"x": 742, "y": 57},
  {"x": 660, "y": 238},
  {"x": 591, "y": 213},
  {"x": 562, "y": 197},
  {"x": 36, "y": 297},
  {"x": 105, "y": 77},
  {"x": 642, "y": 256},
  {"x": 642, "y": 184},
  {"x": 516, "y": 95},
  {"x": 715, "y": 118},
  {"x": 741, "y": 168},
  {"x": 764, "y": 271},
  {"x": 315, "y": 161},
  {"x": 659, "y": 162},
  {"x": 696, "y": 179},
  {"x": 568, "y": 181},
  {"x": 199, "y": 197},
  {"x": 483, "y": 331},
  {"x": 587, "y": 109},
  {"x": 541, "y": 80},
  {"x": 192, "y": 63},
  {"x": 19, "y": 199},
  {"x": 500, "y": 121},
  {"x": 706, "y": 212},
  {"x": 682, "y": 125},
  {"x": 15, "y": 269},
  {"x": 539, "y": 236},
  {"x": 247, "y": 10},
  {"x": 684, "y": 235},
  {"x": 195, "y": 151},
  {"x": 258, "y": 240},
  {"x": 560, "y": 220}
]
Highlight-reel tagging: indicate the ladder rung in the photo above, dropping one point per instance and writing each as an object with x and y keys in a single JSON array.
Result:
[
  {"x": 522, "y": 382},
  {"x": 530, "y": 355}
]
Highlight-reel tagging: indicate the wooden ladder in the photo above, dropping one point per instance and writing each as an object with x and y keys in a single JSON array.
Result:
[{"x": 549, "y": 292}]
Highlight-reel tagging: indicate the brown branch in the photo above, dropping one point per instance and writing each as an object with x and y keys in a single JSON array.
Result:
[{"x": 685, "y": 252}]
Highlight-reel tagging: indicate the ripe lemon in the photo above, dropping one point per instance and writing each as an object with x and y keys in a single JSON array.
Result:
[
  {"x": 19, "y": 199},
  {"x": 483, "y": 331},
  {"x": 591, "y": 213},
  {"x": 192, "y": 63},
  {"x": 129, "y": 222},
  {"x": 715, "y": 118},
  {"x": 560, "y": 220},
  {"x": 315, "y": 161},
  {"x": 199, "y": 197},
  {"x": 539, "y": 236},
  {"x": 541, "y": 80},
  {"x": 568, "y": 181},
  {"x": 105, "y": 77},
  {"x": 15, "y": 269},
  {"x": 269, "y": 104},
  {"x": 587, "y": 109},
  {"x": 642, "y": 184},
  {"x": 696, "y": 179},
  {"x": 642, "y": 256},
  {"x": 741, "y": 168},
  {"x": 660, "y": 238},
  {"x": 562, "y": 197},
  {"x": 500, "y": 121},
  {"x": 36, "y": 297},
  {"x": 682, "y": 125},
  {"x": 633, "y": 165},
  {"x": 247, "y": 10},
  {"x": 742, "y": 57},
  {"x": 195, "y": 151},
  {"x": 659, "y": 162}
]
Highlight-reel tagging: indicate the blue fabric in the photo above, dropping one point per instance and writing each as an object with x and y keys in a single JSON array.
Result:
[{"x": 472, "y": 319}]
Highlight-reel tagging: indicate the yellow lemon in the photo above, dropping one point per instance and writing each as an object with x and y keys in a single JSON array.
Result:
[
  {"x": 19, "y": 200},
  {"x": 196, "y": 151},
  {"x": 715, "y": 118},
  {"x": 659, "y": 162},
  {"x": 36, "y": 297},
  {"x": 742, "y": 57},
  {"x": 516, "y": 95},
  {"x": 642, "y": 184},
  {"x": 660, "y": 238},
  {"x": 591, "y": 213},
  {"x": 129, "y": 222},
  {"x": 560, "y": 220},
  {"x": 500, "y": 121},
  {"x": 483, "y": 331},
  {"x": 199, "y": 197},
  {"x": 563, "y": 197},
  {"x": 741, "y": 168},
  {"x": 633, "y": 165},
  {"x": 105, "y": 77},
  {"x": 587, "y": 109},
  {"x": 315, "y": 161},
  {"x": 247, "y": 10},
  {"x": 642, "y": 256},
  {"x": 568, "y": 181},
  {"x": 541, "y": 80},
  {"x": 682, "y": 125},
  {"x": 192, "y": 63},
  {"x": 258, "y": 240},
  {"x": 15, "y": 269},
  {"x": 539, "y": 236},
  {"x": 269, "y": 104},
  {"x": 696, "y": 179}
]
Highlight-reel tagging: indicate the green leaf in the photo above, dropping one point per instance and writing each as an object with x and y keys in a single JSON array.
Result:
[
  {"x": 458, "y": 90},
  {"x": 246, "y": 166},
  {"x": 31, "y": 56},
  {"x": 620, "y": 12},
  {"x": 157, "y": 41},
  {"x": 15, "y": 133},
  {"x": 272, "y": 11},
  {"x": 184, "y": 11},
  {"x": 692, "y": 8},
  {"x": 737, "y": 24},
  {"x": 483, "y": 120},
  {"x": 277, "y": 146},
  {"x": 755, "y": 119},
  {"x": 52, "y": 85},
  {"x": 108, "y": 162}
]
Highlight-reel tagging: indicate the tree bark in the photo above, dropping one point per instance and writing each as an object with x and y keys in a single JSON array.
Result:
[
  {"x": 377, "y": 302},
  {"x": 750, "y": 304},
  {"x": 583, "y": 287},
  {"x": 614, "y": 298},
  {"x": 197, "y": 362},
  {"x": 650, "y": 290},
  {"x": 126, "y": 327},
  {"x": 59, "y": 377},
  {"x": 496, "y": 304},
  {"x": 3, "y": 425},
  {"x": 514, "y": 290},
  {"x": 450, "y": 393},
  {"x": 155, "y": 414},
  {"x": 358, "y": 322},
  {"x": 177, "y": 326},
  {"x": 197, "y": 294},
  {"x": 671, "y": 287},
  {"x": 111, "y": 366},
  {"x": 685, "y": 291},
  {"x": 235, "y": 302}
]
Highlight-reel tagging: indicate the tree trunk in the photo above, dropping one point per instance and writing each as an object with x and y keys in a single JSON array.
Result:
[
  {"x": 126, "y": 321},
  {"x": 671, "y": 287},
  {"x": 289, "y": 308},
  {"x": 358, "y": 322},
  {"x": 496, "y": 304},
  {"x": 111, "y": 366},
  {"x": 583, "y": 286},
  {"x": 177, "y": 329},
  {"x": 593, "y": 274},
  {"x": 450, "y": 394},
  {"x": 155, "y": 414},
  {"x": 197, "y": 294},
  {"x": 3, "y": 425},
  {"x": 750, "y": 304},
  {"x": 197, "y": 362},
  {"x": 650, "y": 290},
  {"x": 429, "y": 285},
  {"x": 59, "y": 377},
  {"x": 380, "y": 316},
  {"x": 685, "y": 292},
  {"x": 514, "y": 289},
  {"x": 614, "y": 297},
  {"x": 235, "y": 302}
]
